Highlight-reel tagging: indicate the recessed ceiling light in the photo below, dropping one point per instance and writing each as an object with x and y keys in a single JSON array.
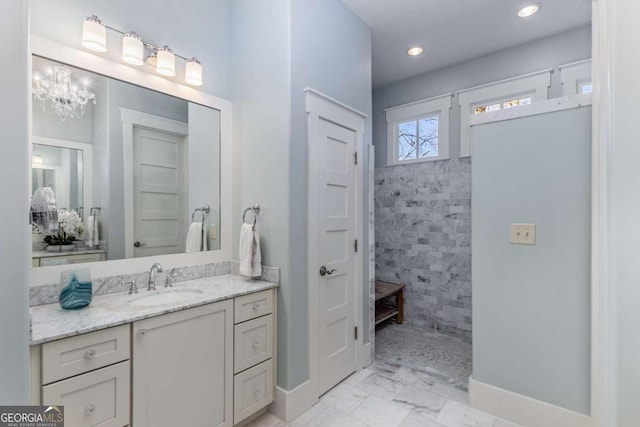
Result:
[
  {"x": 414, "y": 51},
  {"x": 529, "y": 10}
]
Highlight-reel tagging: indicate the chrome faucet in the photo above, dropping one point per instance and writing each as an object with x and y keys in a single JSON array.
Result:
[{"x": 155, "y": 268}]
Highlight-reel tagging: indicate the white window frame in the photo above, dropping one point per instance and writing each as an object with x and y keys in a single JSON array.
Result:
[
  {"x": 437, "y": 106},
  {"x": 535, "y": 85},
  {"x": 574, "y": 75}
]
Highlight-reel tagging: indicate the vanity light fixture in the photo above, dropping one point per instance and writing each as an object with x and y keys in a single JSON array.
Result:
[
  {"x": 94, "y": 34},
  {"x": 132, "y": 49},
  {"x": 193, "y": 72},
  {"x": 529, "y": 10},
  {"x": 166, "y": 62},
  {"x": 163, "y": 59},
  {"x": 414, "y": 51}
]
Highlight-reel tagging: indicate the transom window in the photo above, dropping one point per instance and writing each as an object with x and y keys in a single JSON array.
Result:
[
  {"x": 502, "y": 105},
  {"x": 419, "y": 131}
]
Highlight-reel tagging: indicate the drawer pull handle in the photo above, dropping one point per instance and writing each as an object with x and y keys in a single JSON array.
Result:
[
  {"x": 90, "y": 409},
  {"x": 256, "y": 306},
  {"x": 140, "y": 333},
  {"x": 256, "y": 344},
  {"x": 90, "y": 354}
]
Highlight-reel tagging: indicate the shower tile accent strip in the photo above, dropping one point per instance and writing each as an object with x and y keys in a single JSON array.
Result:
[
  {"x": 423, "y": 239},
  {"x": 48, "y": 294}
]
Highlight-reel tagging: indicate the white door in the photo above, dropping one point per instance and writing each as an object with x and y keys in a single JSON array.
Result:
[
  {"x": 159, "y": 193},
  {"x": 335, "y": 148}
]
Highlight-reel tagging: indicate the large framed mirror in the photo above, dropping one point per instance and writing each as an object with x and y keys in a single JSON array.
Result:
[{"x": 135, "y": 162}]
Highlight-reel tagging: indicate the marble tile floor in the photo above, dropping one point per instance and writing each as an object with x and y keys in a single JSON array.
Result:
[{"x": 411, "y": 384}]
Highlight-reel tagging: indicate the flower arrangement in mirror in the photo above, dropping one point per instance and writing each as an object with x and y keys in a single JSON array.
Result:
[{"x": 70, "y": 227}]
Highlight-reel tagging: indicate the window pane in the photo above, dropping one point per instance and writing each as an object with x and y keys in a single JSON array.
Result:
[
  {"x": 586, "y": 87},
  {"x": 428, "y": 141},
  {"x": 407, "y": 146},
  {"x": 494, "y": 107},
  {"x": 480, "y": 109}
]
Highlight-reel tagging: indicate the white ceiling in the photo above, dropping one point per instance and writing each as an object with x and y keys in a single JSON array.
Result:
[{"x": 453, "y": 31}]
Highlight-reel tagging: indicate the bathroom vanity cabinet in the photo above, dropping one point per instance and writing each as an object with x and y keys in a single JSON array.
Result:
[
  {"x": 207, "y": 365},
  {"x": 183, "y": 368}
]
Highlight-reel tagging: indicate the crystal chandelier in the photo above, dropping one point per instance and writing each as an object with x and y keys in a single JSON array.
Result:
[{"x": 58, "y": 94}]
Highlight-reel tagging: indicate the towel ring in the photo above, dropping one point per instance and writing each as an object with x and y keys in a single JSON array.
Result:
[
  {"x": 203, "y": 210},
  {"x": 256, "y": 210}
]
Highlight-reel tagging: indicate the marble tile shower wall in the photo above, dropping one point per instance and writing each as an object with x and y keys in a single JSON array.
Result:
[{"x": 423, "y": 239}]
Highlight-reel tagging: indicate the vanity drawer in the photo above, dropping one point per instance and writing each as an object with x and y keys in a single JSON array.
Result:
[
  {"x": 83, "y": 353},
  {"x": 253, "y": 343},
  {"x": 98, "y": 398},
  {"x": 252, "y": 391},
  {"x": 250, "y": 306}
]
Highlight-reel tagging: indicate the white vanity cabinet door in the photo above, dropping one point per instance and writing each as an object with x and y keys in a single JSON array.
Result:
[
  {"x": 99, "y": 398},
  {"x": 183, "y": 368}
]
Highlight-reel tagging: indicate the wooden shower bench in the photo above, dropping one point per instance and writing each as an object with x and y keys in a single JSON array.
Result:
[{"x": 385, "y": 310}]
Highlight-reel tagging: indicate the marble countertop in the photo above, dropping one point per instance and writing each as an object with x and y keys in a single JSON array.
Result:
[
  {"x": 50, "y": 322},
  {"x": 78, "y": 251}
]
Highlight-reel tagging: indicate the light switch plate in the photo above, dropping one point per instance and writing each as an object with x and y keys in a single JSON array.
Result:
[
  {"x": 523, "y": 234},
  {"x": 212, "y": 231}
]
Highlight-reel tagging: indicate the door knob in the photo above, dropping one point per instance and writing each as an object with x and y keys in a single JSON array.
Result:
[
  {"x": 323, "y": 271},
  {"x": 138, "y": 244}
]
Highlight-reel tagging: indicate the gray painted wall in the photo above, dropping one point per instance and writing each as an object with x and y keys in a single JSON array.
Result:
[
  {"x": 261, "y": 138},
  {"x": 280, "y": 48},
  {"x": 542, "y": 54},
  {"x": 531, "y": 304},
  {"x": 331, "y": 53},
  {"x": 14, "y": 191},
  {"x": 50, "y": 126},
  {"x": 170, "y": 23}
]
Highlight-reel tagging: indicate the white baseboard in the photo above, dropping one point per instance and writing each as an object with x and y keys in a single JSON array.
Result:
[
  {"x": 290, "y": 404},
  {"x": 365, "y": 356},
  {"x": 522, "y": 410}
]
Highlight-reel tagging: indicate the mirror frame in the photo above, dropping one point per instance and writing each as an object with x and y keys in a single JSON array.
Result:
[{"x": 82, "y": 59}]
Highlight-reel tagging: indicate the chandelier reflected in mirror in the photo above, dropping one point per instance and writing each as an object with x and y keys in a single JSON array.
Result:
[{"x": 57, "y": 93}]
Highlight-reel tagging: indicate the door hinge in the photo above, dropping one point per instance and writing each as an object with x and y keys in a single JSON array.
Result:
[
  {"x": 356, "y": 157},
  {"x": 355, "y": 332},
  {"x": 355, "y": 245}
]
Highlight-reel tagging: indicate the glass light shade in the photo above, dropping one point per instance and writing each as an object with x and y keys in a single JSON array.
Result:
[
  {"x": 132, "y": 49},
  {"x": 166, "y": 62},
  {"x": 193, "y": 72},
  {"x": 94, "y": 34}
]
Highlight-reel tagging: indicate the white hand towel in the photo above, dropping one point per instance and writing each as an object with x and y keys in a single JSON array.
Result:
[
  {"x": 196, "y": 238},
  {"x": 250, "y": 257},
  {"x": 90, "y": 231},
  {"x": 96, "y": 231}
]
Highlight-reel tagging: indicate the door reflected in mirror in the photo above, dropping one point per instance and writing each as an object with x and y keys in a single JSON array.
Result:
[{"x": 134, "y": 164}]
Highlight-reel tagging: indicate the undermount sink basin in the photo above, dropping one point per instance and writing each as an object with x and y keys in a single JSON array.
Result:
[{"x": 164, "y": 297}]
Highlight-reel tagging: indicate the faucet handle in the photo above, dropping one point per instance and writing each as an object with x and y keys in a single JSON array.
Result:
[
  {"x": 169, "y": 279},
  {"x": 133, "y": 288}
]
